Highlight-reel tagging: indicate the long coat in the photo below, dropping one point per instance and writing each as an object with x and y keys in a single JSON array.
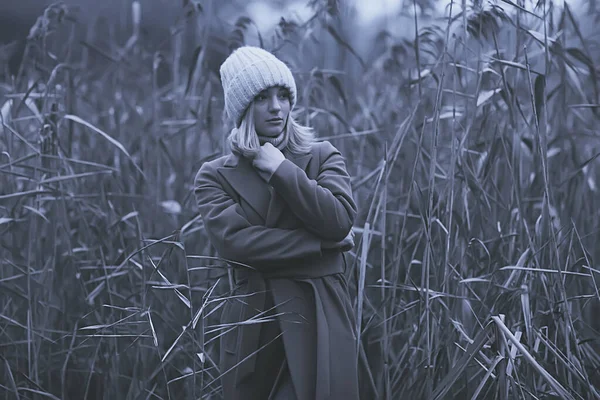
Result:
[{"x": 276, "y": 229}]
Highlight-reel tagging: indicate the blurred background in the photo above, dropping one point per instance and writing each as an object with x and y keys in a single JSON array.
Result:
[{"x": 470, "y": 130}]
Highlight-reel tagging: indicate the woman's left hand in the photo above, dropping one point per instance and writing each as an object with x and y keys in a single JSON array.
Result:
[{"x": 268, "y": 159}]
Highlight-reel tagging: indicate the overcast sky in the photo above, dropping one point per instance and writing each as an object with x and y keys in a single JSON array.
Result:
[{"x": 368, "y": 10}]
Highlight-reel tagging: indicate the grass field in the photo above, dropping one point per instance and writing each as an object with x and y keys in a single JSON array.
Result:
[{"x": 473, "y": 149}]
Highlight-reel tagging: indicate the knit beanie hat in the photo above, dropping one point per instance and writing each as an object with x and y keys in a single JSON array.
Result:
[{"x": 247, "y": 72}]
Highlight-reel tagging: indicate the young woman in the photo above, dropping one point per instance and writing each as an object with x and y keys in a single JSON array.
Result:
[{"x": 279, "y": 207}]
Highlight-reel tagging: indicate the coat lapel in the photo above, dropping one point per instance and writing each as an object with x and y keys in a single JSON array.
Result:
[
  {"x": 277, "y": 203},
  {"x": 241, "y": 175},
  {"x": 301, "y": 161}
]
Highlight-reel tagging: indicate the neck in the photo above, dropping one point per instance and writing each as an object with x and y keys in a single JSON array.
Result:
[{"x": 277, "y": 141}]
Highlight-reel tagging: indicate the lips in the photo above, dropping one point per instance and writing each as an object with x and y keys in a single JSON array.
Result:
[{"x": 275, "y": 121}]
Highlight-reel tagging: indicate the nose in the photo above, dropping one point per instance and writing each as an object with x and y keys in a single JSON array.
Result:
[{"x": 274, "y": 104}]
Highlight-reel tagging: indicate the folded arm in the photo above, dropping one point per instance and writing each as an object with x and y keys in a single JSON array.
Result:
[
  {"x": 236, "y": 239},
  {"x": 324, "y": 205}
]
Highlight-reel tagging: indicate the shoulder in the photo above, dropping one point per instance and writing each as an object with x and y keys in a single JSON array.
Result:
[
  {"x": 323, "y": 149},
  {"x": 210, "y": 167}
]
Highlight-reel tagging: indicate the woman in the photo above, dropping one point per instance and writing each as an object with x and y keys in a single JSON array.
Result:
[{"x": 280, "y": 208}]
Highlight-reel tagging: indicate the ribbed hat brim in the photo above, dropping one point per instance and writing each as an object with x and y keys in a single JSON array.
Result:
[{"x": 247, "y": 72}]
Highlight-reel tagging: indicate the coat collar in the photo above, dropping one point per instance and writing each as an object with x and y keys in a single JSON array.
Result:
[
  {"x": 301, "y": 160},
  {"x": 241, "y": 175}
]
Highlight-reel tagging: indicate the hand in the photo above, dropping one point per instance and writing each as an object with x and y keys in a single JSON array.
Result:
[
  {"x": 268, "y": 159},
  {"x": 344, "y": 245}
]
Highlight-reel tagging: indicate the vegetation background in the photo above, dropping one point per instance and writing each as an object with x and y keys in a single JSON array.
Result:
[{"x": 471, "y": 132}]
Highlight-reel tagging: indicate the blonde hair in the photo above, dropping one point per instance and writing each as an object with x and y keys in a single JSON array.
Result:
[{"x": 244, "y": 140}]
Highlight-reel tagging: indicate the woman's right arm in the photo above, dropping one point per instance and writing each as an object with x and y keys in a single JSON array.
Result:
[{"x": 235, "y": 238}]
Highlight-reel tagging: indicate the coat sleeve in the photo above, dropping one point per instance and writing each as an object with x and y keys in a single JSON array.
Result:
[
  {"x": 325, "y": 205},
  {"x": 235, "y": 239}
]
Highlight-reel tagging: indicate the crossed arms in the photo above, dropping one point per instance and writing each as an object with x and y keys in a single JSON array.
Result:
[{"x": 325, "y": 206}]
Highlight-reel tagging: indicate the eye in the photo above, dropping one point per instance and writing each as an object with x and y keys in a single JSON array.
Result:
[
  {"x": 260, "y": 97},
  {"x": 284, "y": 94}
]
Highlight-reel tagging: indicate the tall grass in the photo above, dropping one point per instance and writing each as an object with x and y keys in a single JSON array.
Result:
[{"x": 473, "y": 149}]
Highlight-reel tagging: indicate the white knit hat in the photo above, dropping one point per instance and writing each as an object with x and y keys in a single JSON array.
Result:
[{"x": 247, "y": 72}]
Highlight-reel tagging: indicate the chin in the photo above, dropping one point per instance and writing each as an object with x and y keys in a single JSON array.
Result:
[{"x": 272, "y": 132}]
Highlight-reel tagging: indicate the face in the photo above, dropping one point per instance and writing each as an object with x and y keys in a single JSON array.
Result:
[{"x": 271, "y": 111}]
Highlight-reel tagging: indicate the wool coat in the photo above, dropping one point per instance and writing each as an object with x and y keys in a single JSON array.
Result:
[{"x": 275, "y": 229}]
